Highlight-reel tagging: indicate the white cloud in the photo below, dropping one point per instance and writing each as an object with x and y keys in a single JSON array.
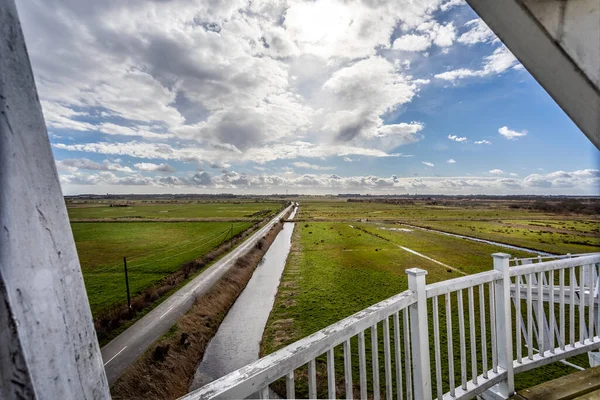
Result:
[
  {"x": 496, "y": 172},
  {"x": 440, "y": 35},
  {"x": 451, "y": 161},
  {"x": 510, "y": 134},
  {"x": 457, "y": 139},
  {"x": 77, "y": 164},
  {"x": 305, "y": 165},
  {"x": 412, "y": 42},
  {"x": 479, "y": 32},
  {"x": 513, "y": 174},
  {"x": 151, "y": 167},
  {"x": 427, "y": 163},
  {"x": 348, "y": 159},
  {"x": 452, "y": 3},
  {"x": 575, "y": 182},
  {"x": 496, "y": 63},
  {"x": 483, "y": 142}
]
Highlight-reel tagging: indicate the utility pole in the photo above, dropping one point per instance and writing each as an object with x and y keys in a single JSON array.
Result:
[{"x": 127, "y": 284}]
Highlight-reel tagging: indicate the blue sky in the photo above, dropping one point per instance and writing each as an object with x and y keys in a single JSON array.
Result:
[{"x": 311, "y": 97}]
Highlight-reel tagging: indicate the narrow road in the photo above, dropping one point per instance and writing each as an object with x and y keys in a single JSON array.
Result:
[{"x": 129, "y": 345}]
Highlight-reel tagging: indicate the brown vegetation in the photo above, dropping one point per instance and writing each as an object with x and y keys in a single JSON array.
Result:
[{"x": 165, "y": 370}]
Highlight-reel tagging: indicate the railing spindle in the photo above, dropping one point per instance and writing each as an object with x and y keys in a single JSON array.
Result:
[
  {"x": 407, "y": 362},
  {"x": 572, "y": 306},
  {"x": 581, "y": 305},
  {"x": 598, "y": 316},
  {"x": 348, "y": 368},
  {"x": 483, "y": 330},
  {"x": 436, "y": 343},
  {"x": 518, "y": 319},
  {"x": 290, "y": 389},
  {"x": 398, "y": 355},
  {"x": 387, "y": 359},
  {"x": 529, "y": 318},
  {"x": 591, "y": 304},
  {"x": 450, "y": 347},
  {"x": 264, "y": 393},
  {"x": 362, "y": 363},
  {"x": 375, "y": 361},
  {"x": 561, "y": 299},
  {"x": 552, "y": 317},
  {"x": 493, "y": 328},
  {"x": 312, "y": 379},
  {"x": 331, "y": 373},
  {"x": 472, "y": 331},
  {"x": 541, "y": 315}
]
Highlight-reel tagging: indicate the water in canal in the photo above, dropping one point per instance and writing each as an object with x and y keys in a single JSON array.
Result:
[{"x": 238, "y": 339}]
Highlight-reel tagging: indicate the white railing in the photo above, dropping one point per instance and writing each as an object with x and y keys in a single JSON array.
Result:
[{"x": 553, "y": 306}]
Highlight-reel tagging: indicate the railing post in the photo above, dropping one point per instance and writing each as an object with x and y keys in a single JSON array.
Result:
[
  {"x": 503, "y": 323},
  {"x": 419, "y": 335}
]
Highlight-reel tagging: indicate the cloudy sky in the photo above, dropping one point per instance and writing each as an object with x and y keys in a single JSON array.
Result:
[{"x": 327, "y": 96}]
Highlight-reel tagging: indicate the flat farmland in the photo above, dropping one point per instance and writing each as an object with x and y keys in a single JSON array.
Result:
[
  {"x": 157, "y": 238},
  {"x": 154, "y": 250},
  {"x": 498, "y": 221},
  {"x": 222, "y": 210},
  {"x": 347, "y": 256}
]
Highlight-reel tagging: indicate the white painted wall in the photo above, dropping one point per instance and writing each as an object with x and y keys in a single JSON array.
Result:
[
  {"x": 48, "y": 345},
  {"x": 575, "y": 25}
]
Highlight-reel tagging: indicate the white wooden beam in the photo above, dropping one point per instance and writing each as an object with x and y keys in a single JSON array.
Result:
[
  {"x": 547, "y": 58},
  {"x": 48, "y": 345}
]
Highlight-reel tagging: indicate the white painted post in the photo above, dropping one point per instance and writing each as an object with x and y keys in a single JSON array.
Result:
[
  {"x": 48, "y": 345},
  {"x": 504, "y": 323},
  {"x": 419, "y": 335}
]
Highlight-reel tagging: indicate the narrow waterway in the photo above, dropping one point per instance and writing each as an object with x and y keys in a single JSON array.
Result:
[
  {"x": 508, "y": 246},
  {"x": 238, "y": 338}
]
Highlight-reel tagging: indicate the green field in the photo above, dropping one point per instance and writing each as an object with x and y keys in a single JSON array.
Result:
[
  {"x": 340, "y": 265},
  {"x": 343, "y": 210},
  {"x": 496, "y": 221},
  {"x": 155, "y": 246},
  {"x": 224, "y": 210},
  {"x": 153, "y": 250}
]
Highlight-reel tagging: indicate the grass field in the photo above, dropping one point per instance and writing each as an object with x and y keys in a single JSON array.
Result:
[
  {"x": 340, "y": 265},
  {"x": 153, "y": 250},
  {"x": 496, "y": 221},
  {"x": 155, "y": 246},
  {"x": 228, "y": 210}
]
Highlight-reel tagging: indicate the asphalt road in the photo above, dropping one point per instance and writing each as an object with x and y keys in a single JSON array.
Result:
[{"x": 129, "y": 345}]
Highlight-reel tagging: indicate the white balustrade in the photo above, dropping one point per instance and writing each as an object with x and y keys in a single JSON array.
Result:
[{"x": 548, "y": 306}]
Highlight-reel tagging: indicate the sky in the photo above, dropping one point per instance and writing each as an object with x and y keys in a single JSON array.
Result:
[{"x": 313, "y": 97}]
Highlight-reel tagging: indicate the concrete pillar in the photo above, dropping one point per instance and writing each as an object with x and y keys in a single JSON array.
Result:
[
  {"x": 48, "y": 345},
  {"x": 557, "y": 41}
]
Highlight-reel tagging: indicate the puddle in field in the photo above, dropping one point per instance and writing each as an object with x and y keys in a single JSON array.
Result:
[
  {"x": 507, "y": 246},
  {"x": 237, "y": 341},
  {"x": 396, "y": 229}
]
